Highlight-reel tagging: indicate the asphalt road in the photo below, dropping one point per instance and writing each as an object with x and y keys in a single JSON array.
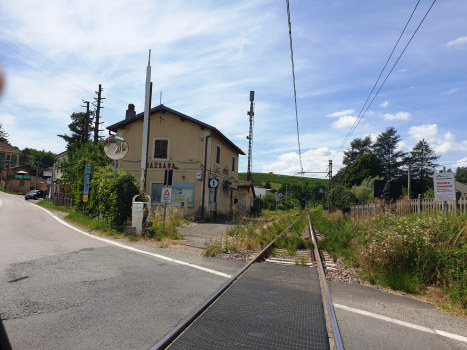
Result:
[
  {"x": 61, "y": 289},
  {"x": 362, "y": 332}
]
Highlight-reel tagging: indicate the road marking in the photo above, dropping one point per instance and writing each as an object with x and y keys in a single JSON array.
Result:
[
  {"x": 402, "y": 323},
  {"x": 136, "y": 249}
]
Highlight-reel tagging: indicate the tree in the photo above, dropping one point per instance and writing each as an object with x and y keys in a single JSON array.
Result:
[
  {"x": 385, "y": 149},
  {"x": 77, "y": 128},
  {"x": 366, "y": 166},
  {"x": 365, "y": 192},
  {"x": 358, "y": 148},
  {"x": 3, "y": 135},
  {"x": 461, "y": 174},
  {"x": 423, "y": 163},
  {"x": 268, "y": 185},
  {"x": 74, "y": 166},
  {"x": 342, "y": 198},
  {"x": 338, "y": 177},
  {"x": 29, "y": 156}
]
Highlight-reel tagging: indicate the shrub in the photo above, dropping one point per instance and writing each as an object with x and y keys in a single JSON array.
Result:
[{"x": 342, "y": 198}]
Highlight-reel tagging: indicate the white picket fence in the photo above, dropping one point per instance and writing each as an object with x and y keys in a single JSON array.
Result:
[{"x": 401, "y": 207}]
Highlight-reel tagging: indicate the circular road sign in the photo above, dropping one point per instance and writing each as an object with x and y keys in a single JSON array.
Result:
[
  {"x": 213, "y": 183},
  {"x": 58, "y": 181},
  {"x": 280, "y": 195}
]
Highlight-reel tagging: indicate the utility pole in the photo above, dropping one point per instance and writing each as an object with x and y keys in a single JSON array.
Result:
[
  {"x": 408, "y": 184},
  {"x": 37, "y": 174},
  {"x": 251, "y": 113},
  {"x": 98, "y": 113},
  {"x": 86, "y": 121},
  {"x": 330, "y": 186},
  {"x": 286, "y": 197}
]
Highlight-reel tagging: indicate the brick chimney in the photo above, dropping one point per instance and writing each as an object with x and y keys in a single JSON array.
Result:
[{"x": 130, "y": 113}]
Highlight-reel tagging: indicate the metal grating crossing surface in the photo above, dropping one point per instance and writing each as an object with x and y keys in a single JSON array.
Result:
[{"x": 268, "y": 307}]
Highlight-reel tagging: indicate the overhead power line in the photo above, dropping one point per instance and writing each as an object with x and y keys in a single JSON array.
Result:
[
  {"x": 56, "y": 65},
  {"x": 294, "y": 89},
  {"x": 360, "y": 117}
]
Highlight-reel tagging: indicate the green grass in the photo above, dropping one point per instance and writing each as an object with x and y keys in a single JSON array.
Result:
[
  {"x": 91, "y": 224},
  {"x": 7, "y": 191},
  {"x": 48, "y": 205},
  {"x": 272, "y": 178}
]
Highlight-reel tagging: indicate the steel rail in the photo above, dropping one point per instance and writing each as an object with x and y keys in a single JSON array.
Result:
[
  {"x": 187, "y": 321},
  {"x": 332, "y": 315}
]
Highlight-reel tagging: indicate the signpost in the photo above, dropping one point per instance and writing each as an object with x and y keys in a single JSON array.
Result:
[
  {"x": 166, "y": 198},
  {"x": 87, "y": 180},
  {"x": 445, "y": 188}
]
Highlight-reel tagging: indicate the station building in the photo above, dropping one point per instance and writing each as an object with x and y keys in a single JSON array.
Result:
[{"x": 195, "y": 151}]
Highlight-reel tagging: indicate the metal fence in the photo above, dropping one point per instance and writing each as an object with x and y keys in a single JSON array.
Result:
[
  {"x": 402, "y": 207},
  {"x": 66, "y": 201}
]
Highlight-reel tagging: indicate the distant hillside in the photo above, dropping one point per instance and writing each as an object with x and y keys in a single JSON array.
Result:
[{"x": 260, "y": 179}]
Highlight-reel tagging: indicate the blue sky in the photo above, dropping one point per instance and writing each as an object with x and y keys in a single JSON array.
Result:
[{"x": 208, "y": 55}]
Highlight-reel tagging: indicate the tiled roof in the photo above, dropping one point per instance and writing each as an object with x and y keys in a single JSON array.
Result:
[
  {"x": 161, "y": 107},
  {"x": 7, "y": 148}
]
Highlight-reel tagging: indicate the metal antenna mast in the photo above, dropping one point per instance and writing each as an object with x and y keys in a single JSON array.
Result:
[{"x": 251, "y": 113}]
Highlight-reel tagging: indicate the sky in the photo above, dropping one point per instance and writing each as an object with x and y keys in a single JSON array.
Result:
[{"x": 208, "y": 55}]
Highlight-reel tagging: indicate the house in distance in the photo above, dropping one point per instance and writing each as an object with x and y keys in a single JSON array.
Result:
[{"x": 195, "y": 151}]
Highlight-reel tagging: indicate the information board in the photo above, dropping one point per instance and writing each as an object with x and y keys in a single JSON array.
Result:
[{"x": 445, "y": 186}]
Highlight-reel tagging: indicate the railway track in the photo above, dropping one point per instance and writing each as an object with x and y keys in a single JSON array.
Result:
[{"x": 175, "y": 337}]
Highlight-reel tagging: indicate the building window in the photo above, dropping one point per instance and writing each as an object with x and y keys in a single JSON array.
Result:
[
  {"x": 218, "y": 154},
  {"x": 21, "y": 183},
  {"x": 8, "y": 157},
  {"x": 233, "y": 164},
  {"x": 156, "y": 192},
  {"x": 161, "y": 149}
]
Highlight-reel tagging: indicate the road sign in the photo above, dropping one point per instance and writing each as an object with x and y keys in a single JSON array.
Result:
[
  {"x": 85, "y": 198},
  {"x": 213, "y": 183},
  {"x": 44, "y": 188},
  {"x": 87, "y": 179},
  {"x": 277, "y": 198},
  {"x": 445, "y": 186},
  {"x": 58, "y": 181},
  {"x": 280, "y": 195},
  {"x": 49, "y": 181},
  {"x": 86, "y": 190},
  {"x": 166, "y": 196},
  {"x": 88, "y": 168},
  {"x": 72, "y": 187}
]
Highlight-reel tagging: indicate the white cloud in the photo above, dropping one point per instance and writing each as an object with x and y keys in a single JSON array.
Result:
[
  {"x": 442, "y": 144},
  {"x": 458, "y": 42},
  {"x": 344, "y": 121},
  {"x": 384, "y": 104},
  {"x": 397, "y": 116},
  {"x": 373, "y": 136},
  {"x": 453, "y": 90},
  {"x": 312, "y": 160},
  {"x": 341, "y": 113}
]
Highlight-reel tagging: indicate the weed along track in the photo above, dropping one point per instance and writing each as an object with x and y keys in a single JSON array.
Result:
[{"x": 278, "y": 300}]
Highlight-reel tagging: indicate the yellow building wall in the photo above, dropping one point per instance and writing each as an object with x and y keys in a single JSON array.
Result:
[{"x": 186, "y": 143}]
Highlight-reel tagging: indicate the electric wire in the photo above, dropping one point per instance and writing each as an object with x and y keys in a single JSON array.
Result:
[
  {"x": 48, "y": 59},
  {"x": 294, "y": 89},
  {"x": 359, "y": 118},
  {"x": 51, "y": 71},
  {"x": 369, "y": 95}
]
